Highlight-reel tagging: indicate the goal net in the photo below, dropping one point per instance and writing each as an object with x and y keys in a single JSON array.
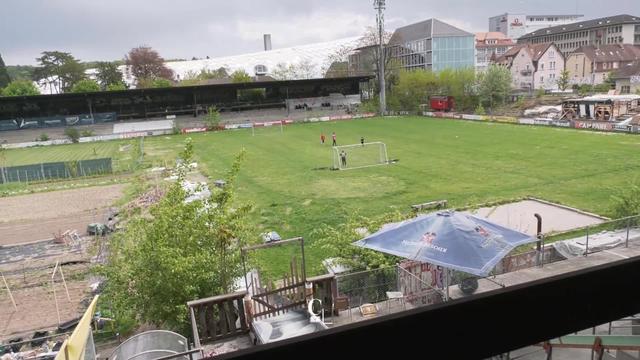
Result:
[
  {"x": 349, "y": 157},
  {"x": 267, "y": 128}
]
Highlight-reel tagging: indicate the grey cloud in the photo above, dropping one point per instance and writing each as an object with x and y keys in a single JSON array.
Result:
[{"x": 107, "y": 29}]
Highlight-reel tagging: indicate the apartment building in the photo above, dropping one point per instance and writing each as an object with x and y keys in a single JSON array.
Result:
[
  {"x": 513, "y": 26},
  {"x": 592, "y": 64}
]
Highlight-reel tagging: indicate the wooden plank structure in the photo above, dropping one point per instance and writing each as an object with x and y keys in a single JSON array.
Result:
[
  {"x": 269, "y": 300},
  {"x": 214, "y": 318},
  {"x": 439, "y": 204}
]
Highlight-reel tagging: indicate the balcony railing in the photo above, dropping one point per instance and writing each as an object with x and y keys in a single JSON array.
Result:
[
  {"x": 525, "y": 72},
  {"x": 214, "y": 318}
]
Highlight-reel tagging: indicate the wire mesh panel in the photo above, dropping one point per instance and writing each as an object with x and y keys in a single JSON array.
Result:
[
  {"x": 151, "y": 345},
  {"x": 359, "y": 156},
  {"x": 368, "y": 286}
]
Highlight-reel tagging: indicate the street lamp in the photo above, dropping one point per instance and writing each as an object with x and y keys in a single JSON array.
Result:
[{"x": 380, "y": 6}]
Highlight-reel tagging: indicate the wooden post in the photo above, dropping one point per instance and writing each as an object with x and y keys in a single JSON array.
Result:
[{"x": 9, "y": 291}]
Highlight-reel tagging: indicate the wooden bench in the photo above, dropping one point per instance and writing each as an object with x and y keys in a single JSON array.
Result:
[{"x": 440, "y": 204}]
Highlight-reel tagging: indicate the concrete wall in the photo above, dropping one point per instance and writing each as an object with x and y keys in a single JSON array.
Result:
[{"x": 579, "y": 68}]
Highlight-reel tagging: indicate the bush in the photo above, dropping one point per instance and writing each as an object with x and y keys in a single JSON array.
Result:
[
  {"x": 212, "y": 121},
  {"x": 480, "y": 110},
  {"x": 87, "y": 133},
  {"x": 84, "y": 86},
  {"x": 73, "y": 134},
  {"x": 43, "y": 137},
  {"x": 540, "y": 93}
]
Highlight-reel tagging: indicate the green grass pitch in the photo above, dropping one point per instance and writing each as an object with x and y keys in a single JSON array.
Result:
[{"x": 286, "y": 174}]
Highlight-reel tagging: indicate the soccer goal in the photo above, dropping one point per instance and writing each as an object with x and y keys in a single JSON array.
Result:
[
  {"x": 267, "y": 128},
  {"x": 349, "y": 157}
]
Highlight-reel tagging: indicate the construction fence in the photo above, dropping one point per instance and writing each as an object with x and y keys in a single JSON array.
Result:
[{"x": 56, "y": 170}]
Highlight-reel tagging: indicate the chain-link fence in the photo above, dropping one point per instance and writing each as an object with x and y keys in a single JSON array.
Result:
[{"x": 55, "y": 170}]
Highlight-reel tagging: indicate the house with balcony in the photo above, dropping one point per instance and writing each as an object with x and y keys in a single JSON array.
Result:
[
  {"x": 534, "y": 66},
  {"x": 593, "y": 63}
]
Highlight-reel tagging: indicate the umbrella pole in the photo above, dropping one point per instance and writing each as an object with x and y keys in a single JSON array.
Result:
[{"x": 446, "y": 281}]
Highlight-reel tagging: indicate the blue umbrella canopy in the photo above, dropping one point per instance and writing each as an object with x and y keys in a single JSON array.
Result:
[{"x": 454, "y": 240}]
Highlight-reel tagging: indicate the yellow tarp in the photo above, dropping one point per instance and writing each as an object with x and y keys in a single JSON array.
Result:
[{"x": 73, "y": 348}]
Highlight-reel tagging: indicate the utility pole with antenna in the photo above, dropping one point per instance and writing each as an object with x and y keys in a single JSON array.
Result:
[{"x": 380, "y": 6}]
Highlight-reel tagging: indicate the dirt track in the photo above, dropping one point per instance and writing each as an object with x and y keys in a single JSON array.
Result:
[{"x": 35, "y": 217}]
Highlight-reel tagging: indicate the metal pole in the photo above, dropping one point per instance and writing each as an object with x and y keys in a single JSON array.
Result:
[
  {"x": 586, "y": 253},
  {"x": 628, "y": 226},
  {"x": 380, "y": 6},
  {"x": 446, "y": 280}
]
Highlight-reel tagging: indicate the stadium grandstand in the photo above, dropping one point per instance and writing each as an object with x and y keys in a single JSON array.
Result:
[{"x": 88, "y": 108}]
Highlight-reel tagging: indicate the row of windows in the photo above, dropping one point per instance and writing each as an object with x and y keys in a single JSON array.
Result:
[
  {"x": 637, "y": 40},
  {"x": 638, "y": 28},
  {"x": 542, "y": 19},
  {"x": 560, "y": 37},
  {"x": 614, "y": 40},
  {"x": 614, "y": 29},
  {"x": 572, "y": 45},
  {"x": 552, "y": 65}
]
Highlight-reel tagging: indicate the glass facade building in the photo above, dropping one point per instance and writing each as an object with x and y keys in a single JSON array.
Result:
[
  {"x": 432, "y": 45},
  {"x": 453, "y": 52}
]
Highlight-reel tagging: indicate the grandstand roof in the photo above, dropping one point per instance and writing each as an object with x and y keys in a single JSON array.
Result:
[{"x": 316, "y": 56}]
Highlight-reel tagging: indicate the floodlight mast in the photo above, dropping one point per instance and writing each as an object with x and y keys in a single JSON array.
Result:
[{"x": 380, "y": 5}]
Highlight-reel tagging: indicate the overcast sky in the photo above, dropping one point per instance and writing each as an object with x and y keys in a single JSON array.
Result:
[{"x": 107, "y": 29}]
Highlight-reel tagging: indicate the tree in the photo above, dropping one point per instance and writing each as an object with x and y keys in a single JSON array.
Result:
[
  {"x": 494, "y": 85},
  {"x": 20, "y": 88},
  {"x": 86, "y": 85},
  {"x": 563, "y": 80},
  {"x": 213, "y": 118},
  {"x": 369, "y": 56},
  {"x": 108, "y": 74},
  {"x": 116, "y": 87},
  {"x": 337, "y": 242},
  {"x": 4, "y": 75},
  {"x": 73, "y": 134},
  {"x": 59, "y": 70},
  {"x": 145, "y": 64},
  {"x": 240, "y": 76},
  {"x": 412, "y": 89},
  {"x": 302, "y": 70},
  {"x": 161, "y": 83},
  {"x": 178, "y": 252},
  {"x": 206, "y": 74}
]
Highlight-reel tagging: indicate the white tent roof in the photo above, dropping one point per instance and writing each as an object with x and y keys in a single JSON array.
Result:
[{"x": 316, "y": 55}]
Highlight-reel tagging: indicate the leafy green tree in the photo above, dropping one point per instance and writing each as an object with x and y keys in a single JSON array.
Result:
[
  {"x": 116, "y": 87},
  {"x": 480, "y": 110},
  {"x": 108, "y": 75},
  {"x": 161, "y": 83},
  {"x": 20, "y": 88},
  {"x": 241, "y": 76},
  {"x": 337, "y": 241},
  {"x": 73, "y": 134},
  {"x": 495, "y": 85},
  {"x": 563, "y": 80},
  {"x": 59, "y": 70},
  {"x": 213, "y": 118},
  {"x": 626, "y": 202},
  {"x": 4, "y": 75},
  {"x": 178, "y": 252},
  {"x": 412, "y": 89},
  {"x": 206, "y": 74},
  {"x": 86, "y": 85}
]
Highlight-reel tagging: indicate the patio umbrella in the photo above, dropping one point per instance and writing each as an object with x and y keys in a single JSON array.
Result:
[{"x": 453, "y": 240}]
